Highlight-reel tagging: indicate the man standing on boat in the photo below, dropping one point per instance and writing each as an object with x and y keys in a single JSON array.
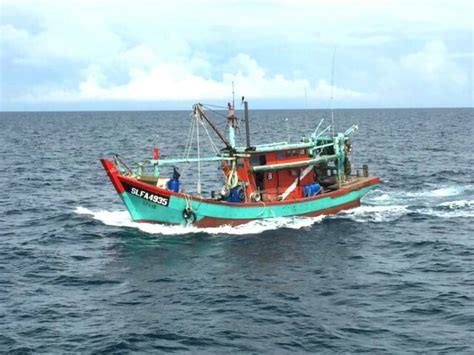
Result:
[{"x": 231, "y": 119}]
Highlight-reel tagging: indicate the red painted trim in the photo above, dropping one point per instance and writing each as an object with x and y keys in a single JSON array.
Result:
[
  {"x": 113, "y": 174},
  {"x": 342, "y": 191},
  {"x": 211, "y": 222}
]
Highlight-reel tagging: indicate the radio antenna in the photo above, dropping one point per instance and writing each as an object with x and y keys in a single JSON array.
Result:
[
  {"x": 332, "y": 89},
  {"x": 233, "y": 95}
]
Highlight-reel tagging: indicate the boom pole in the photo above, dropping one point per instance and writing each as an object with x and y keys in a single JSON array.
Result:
[{"x": 198, "y": 113}]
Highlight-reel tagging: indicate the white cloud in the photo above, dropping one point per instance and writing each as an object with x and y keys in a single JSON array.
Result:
[
  {"x": 433, "y": 64},
  {"x": 15, "y": 41},
  {"x": 178, "y": 81},
  {"x": 430, "y": 76},
  {"x": 177, "y": 50}
]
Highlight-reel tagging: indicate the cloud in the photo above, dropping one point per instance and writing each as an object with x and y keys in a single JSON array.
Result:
[
  {"x": 429, "y": 76},
  {"x": 434, "y": 65},
  {"x": 156, "y": 50},
  {"x": 178, "y": 81}
]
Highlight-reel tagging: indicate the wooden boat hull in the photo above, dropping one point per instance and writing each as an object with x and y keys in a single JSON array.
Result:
[{"x": 151, "y": 204}]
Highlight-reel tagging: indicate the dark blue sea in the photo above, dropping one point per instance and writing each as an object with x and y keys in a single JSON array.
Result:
[{"x": 395, "y": 275}]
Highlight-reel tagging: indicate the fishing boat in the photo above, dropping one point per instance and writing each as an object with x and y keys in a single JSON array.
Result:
[{"x": 310, "y": 177}]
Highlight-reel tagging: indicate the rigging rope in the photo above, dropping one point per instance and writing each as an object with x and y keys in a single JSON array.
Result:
[
  {"x": 191, "y": 138},
  {"x": 213, "y": 145},
  {"x": 232, "y": 178},
  {"x": 216, "y": 112},
  {"x": 216, "y": 106},
  {"x": 188, "y": 138}
]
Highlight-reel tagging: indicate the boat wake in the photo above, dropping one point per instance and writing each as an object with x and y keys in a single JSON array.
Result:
[
  {"x": 388, "y": 206},
  {"x": 122, "y": 219},
  {"x": 421, "y": 195},
  {"x": 374, "y": 213},
  {"x": 378, "y": 206}
]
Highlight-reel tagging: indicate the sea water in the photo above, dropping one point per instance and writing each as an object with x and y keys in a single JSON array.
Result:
[{"x": 394, "y": 275}]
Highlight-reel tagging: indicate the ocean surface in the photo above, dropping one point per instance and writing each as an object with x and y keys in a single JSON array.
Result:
[{"x": 395, "y": 275}]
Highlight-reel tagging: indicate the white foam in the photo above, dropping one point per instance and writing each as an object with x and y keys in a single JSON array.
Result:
[
  {"x": 445, "y": 191},
  {"x": 375, "y": 213},
  {"x": 380, "y": 198},
  {"x": 122, "y": 219},
  {"x": 451, "y": 209},
  {"x": 446, "y": 214},
  {"x": 458, "y": 204},
  {"x": 413, "y": 197},
  {"x": 433, "y": 202}
]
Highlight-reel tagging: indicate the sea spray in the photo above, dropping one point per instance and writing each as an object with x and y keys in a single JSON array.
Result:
[{"x": 122, "y": 219}]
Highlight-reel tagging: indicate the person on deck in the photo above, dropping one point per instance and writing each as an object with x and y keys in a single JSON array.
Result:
[{"x": 231, "y": 114}]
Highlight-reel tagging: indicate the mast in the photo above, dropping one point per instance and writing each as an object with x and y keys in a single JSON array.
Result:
[
  {"x": 231, "y": 124},
  {"x": 231, "y": 119},
  {"x": 233, "y": 95},
  {"x": 198, "y": 184},
  {"x": 332, "y": 89},
  {"x": 247, "y": 125}
]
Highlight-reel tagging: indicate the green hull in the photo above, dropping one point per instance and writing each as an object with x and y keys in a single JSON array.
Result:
[{"x": 208, "y": 213}]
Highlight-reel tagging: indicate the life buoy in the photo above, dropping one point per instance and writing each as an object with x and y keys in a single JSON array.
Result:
[{"x": 189, "y": 216}]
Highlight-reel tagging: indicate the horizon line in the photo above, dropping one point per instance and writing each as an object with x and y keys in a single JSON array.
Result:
[{"x": 258, "y": 109}]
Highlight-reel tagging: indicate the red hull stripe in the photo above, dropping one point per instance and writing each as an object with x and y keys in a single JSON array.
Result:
[
  {"x": 210, "y": 222},
  {"x": 113, "y": 174}
]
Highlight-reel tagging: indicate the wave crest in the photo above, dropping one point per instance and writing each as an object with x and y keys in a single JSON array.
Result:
[{"x": 371, "y": 213}]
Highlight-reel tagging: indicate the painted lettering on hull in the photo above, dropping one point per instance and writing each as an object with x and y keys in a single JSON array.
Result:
[{"x": 146, "y": 195}]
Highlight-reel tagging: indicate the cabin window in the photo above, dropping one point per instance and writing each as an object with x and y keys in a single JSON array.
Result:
[
  {"x": 240, "y": 162},
  {"x": 280, "y": 155},
  {"x": 256, "y": 160},
  {"x": 270, "y": 176}
]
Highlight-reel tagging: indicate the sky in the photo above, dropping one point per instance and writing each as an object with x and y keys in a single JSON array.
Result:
[{"x": 150, "y": 54}]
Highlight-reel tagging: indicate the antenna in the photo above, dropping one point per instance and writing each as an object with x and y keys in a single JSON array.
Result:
[
  {"x": 332, "y": 89},
  {"x": 233, "y": 95}
]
